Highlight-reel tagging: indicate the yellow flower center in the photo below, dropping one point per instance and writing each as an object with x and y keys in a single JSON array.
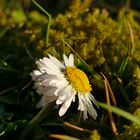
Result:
[{"x": 78, "y": 79}]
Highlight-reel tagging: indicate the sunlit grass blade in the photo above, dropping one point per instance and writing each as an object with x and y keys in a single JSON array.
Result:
[
  {"x": 76, "y": 127},
  {"x": 120, "y": 112}
]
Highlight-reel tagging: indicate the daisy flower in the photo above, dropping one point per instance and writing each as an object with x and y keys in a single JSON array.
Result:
[{"x": 62, "y": 82}]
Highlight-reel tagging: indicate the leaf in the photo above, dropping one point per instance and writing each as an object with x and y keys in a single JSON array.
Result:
[
  {"x": 6, "y": 67},
  {"x": 13, "y": 126}
]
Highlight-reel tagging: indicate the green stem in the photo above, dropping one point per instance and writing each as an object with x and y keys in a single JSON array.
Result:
[
  {"x": 49, "y": 21},
  {"x": 36, "y": 121}
]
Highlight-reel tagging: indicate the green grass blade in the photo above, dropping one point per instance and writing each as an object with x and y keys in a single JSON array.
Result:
[
  {"x": 49, "y": 21},
  {"x": 123, "y": 64},
  {"x": 120, "y": 112}
]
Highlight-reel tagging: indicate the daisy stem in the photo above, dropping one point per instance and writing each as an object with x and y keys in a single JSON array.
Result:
[{"x": 36, "y": 121}]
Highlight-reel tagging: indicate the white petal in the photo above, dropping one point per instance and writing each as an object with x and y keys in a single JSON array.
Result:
[
  {"x": 41, "y": 66},
  {"x": 46, "y": 65},
  {"x": 85, "y": 105},
  {"x": 66, "y": 60},
  {"x": 71, "y": 60},
  {"x": 91, "y": 97},
  {"x": 49, "y": 91},
  {"x": 73, "y": 99},
  {"x": 61, "y": 76},
  {"x": 35, "y": 74},
  {"x": 62, "y": 111},
  {"x": 65, "y": 94},
  {"x": 81, "y": 106},
  {"x": 58, "y": 101},
  {"x": 63, "y": 97},
  {"x": 58, "y": 83},
  {"x": 91, "y": 110},
  {"x": 57, "y": 62},
  {"x": 45, "y": 76},
  {"x": 64, "y": 89},
  {"x": 60, "y": 90},
  {"x": 85, "y": 116},
  {"x": 46, "y": 83},
  {"x": 49, "y": 76},
  {"x": 66, "y": 105}
]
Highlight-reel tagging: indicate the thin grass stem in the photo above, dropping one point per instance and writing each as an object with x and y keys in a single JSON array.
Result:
[{"x": 49, "y": 21}]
